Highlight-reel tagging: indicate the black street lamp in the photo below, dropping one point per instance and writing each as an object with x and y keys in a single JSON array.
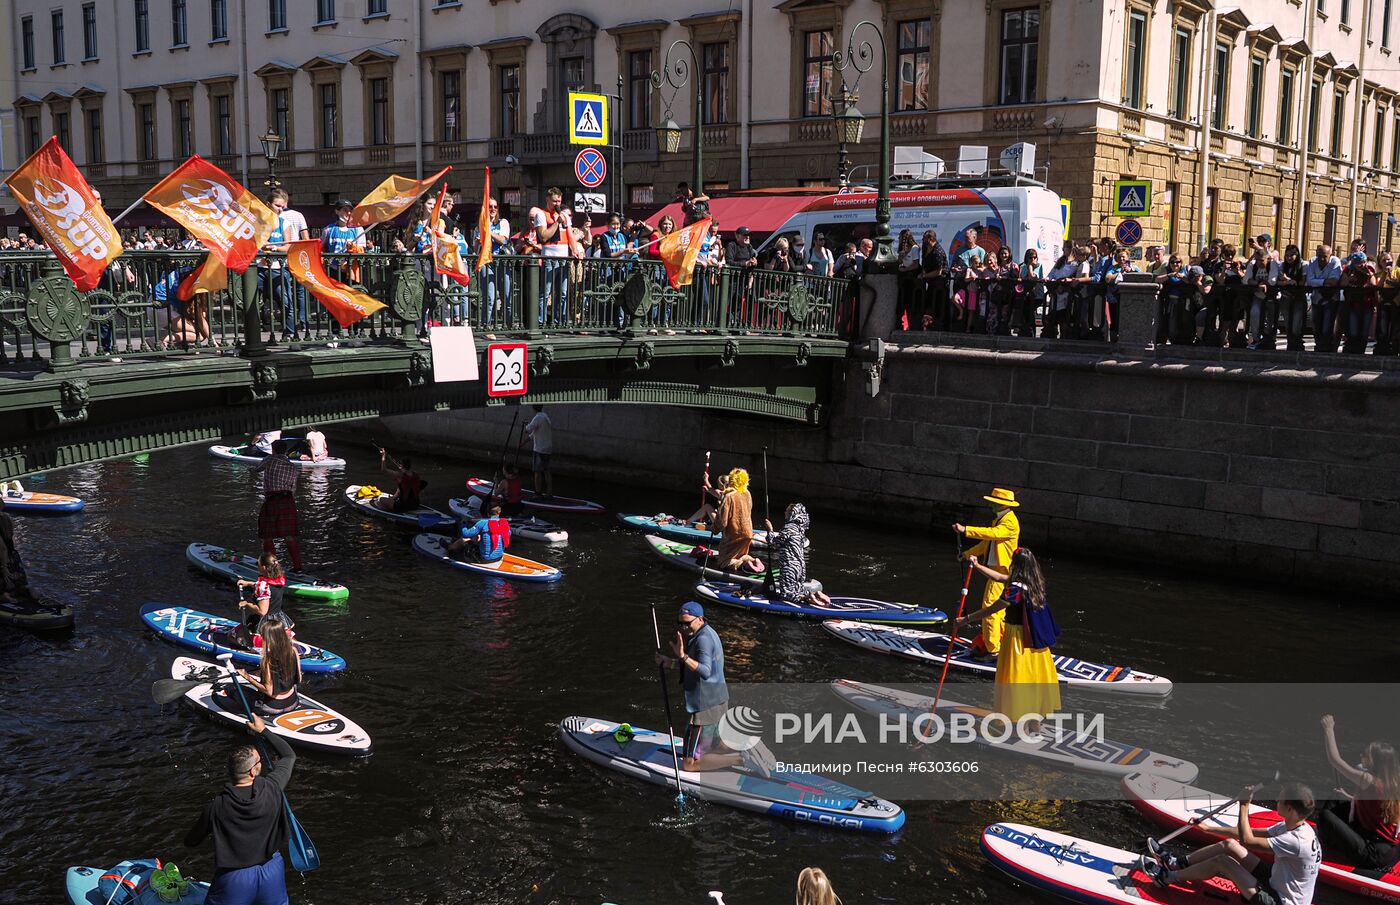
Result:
[
  {"x": 668, "y": 135},
  {"x": 861, "y": 57},
  {"x": 271, "y": 146},
  {"x": 850, "y": 123}
]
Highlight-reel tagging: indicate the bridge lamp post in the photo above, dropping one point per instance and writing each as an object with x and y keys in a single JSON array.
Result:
[
  {"x": 861, "y": 57},
  {"x": 271, "y": 147},
  {"x": 850, "y": 123},
  {"x": 677, "y": 74}
]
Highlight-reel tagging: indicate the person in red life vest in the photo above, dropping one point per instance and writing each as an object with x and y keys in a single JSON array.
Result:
[
  {"x": 408, "y": 491},
  {"x": 492, "y": 536},
  {"x": 1363, "y": 826},
  {"x": 506, "y": 493},
  {"x": 268, "y": 589}
]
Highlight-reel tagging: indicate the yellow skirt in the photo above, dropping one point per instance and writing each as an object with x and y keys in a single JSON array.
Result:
[{"x": 1026, "y": 679}]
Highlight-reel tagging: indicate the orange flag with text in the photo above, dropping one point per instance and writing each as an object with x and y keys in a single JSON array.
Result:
[
  {"x": 345, "y": 304},
  {"x": 62, "y": 207},
  {"x": 227, "y": 218},
  {"x": 392, "y": 197},
  {"x": 679, "y": 249}
]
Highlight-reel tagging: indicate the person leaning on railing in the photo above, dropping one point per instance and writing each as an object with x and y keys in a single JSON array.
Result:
[
  {"x": 1057, "y": 311},
  {"x": 1359, "y": 297},
  {"x": 1002, "y": 276},
  {"x": 1292, "y": 298},
  {"x": 1030, "y": 293},
  {"x": 1262, "y": 275},
  {"x": 1387, "y": 315},
  {"x": 1174, "y": 295},
  {"x": 1323, "y": 274}
]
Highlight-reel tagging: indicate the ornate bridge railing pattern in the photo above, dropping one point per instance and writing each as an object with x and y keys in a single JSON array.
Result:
[{"x": 135, "y": 313}]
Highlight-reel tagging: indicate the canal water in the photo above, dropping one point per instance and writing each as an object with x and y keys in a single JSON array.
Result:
[{"x": 461, "y": 681}]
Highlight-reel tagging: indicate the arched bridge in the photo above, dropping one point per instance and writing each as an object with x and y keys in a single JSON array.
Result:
[{"x": 126, "y": 368}]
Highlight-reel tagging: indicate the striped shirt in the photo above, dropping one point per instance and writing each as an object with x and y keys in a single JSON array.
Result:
[{"x": 279, "y": 475}]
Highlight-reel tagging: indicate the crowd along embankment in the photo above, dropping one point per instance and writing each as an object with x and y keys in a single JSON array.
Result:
[{"x": 1274, "y": 468}]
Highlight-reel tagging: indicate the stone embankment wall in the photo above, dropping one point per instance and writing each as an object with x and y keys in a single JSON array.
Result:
[{"x": 1259, "y": 468}]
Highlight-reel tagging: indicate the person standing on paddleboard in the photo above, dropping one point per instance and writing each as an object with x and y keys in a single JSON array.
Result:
[
  {"x": 1289, "y": 880},
  {"x": 1363, "y": 829},
  {"x": 996, "y": 543},
  {"x": 1026, "y": 681},
  {"x": 492, "y": 535},
  {"x": 249, "y": 826},
  {"x": 700, "y": 655},
  {"x": 540, "y": 430},
  {"x": 278, "y": 516}
]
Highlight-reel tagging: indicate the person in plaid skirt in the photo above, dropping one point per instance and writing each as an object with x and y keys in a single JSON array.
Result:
[{"x": 278, "y": 515}]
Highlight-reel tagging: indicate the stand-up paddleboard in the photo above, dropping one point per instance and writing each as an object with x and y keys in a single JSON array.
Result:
[
  {"x": 531, "y": 528},
  {"x": 931, "y": 647},
  {"x": 531, "y": 500},
  {"x": 1064, "y": 749},
  {"x": 95, "y": 886},
  {"x": 241, "y": 454},
  {"x": 748, "y": 598},
  {"x": 311, "y": 725},
  {"x": 41, "y": 503},
  {"x": 231, "y": 564},
  {"x": 214, "y": 635},
  {"x": 1172, "y": 805},
  {"x": 791, "y": 795},
  {"x": 508, "y": 566},
  {"x": 688, "y": 557},
  {"x": 360, "y": 498},
  {"x": 1091, "y": 872},
  {"x": 678, "y": 529},
  {"x": 36, "y": 615}
]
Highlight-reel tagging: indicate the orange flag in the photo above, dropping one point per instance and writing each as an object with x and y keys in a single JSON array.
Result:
[
  {"x": 210, "y": 276},
  {"x": 679, "y": 249},
  {"x": 63, "y": 208},
  {"x": 231, "y": 222},
  {"x": 447, "y": 258},
  {"x": 437, "y": 208},
  {"x": 392, "y": 197},
  {"x": 345, "y": 304},
  {"x": 483, "y": 224}
]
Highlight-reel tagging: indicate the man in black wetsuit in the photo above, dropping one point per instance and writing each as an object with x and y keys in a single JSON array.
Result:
[{"x": 249, "y": 825}]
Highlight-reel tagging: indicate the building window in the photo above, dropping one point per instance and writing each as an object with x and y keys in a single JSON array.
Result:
[
  {"x": 1134, "y": 58},
  {"x": 1246, "y": 212},
  {"x": 179, "y": 24},
  {"x": 379, "y": 112},
  {"x": 639, "y": 90},
  {"x": 184, "y": 135},
  {"x": 143, "y": 26},
  {"x": 1378, "y": 140},
  {"x": 146, "y": 117},
  {"x": 89, "y": 31},
  {"x": 1255, "y": 113},
  {"x": 56, "y": 23},
  {"x": 329, "y": 102},
  {"x": 1385, "y": 23},
  {"x": 281, "y": 114},
  {"x": 714, "y": 64},
  {"x": 816, "y": 73},
  {"x": 223, "y": 124},
  {"x": 1339, "y": 102},
  {"x": 218, "y": 20},
  {"x": 276, "y": 15},
  {"x": 1020, "y": 55},
  {"x": 570, "y": 75},
  {"x": 1169, "y": 218},
  {"x": 1220, "y": 91},
  {"x": 1181, "y": 72},
  {"x": 63, "y": 130},
  {"x": 1329, "y": 226},
  {"x": 1344, "y": 12},
  {"x": 325, "y": 11},
  {"x": 508, "y": 107},
  {"x": 26, "y": 41},
  {"x": 1314, "y": 111},
  {"x": 31, "y": 134},
  {"x": 96, "y": 147},
  {"x": 911, "y": 91},
  {"x": 451, "y": 85},
  {"x": 1211, "y": 231},
  {"x": 378, "y": 8},
  {"x": 1285, "y": 106}
]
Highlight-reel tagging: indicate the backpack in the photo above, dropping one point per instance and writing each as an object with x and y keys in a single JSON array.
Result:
[{"x": 1041, "y": 628}]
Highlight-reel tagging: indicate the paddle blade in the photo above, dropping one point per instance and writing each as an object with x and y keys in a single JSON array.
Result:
[
  {"x": 301, "y": 851},
  {"x": 163, "y": 691},
  {"x": 432, "y": 521}
]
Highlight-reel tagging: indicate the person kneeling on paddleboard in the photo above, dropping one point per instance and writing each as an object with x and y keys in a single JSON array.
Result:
[
  {"x": 1362, "y": 827},
  {"x": 1289, "y": 880},
  {"x": 280, "y": 673},
  {"x": 261, "y": 444},
  {"x": 789, "y": 551},
  {"x": 506, "y": 493},
  {"x": 407, "y": 493},
  {"x": 492, "y": 536},
  {"x": 249, "y": 825},
  {"x": 267, "y": 598}
]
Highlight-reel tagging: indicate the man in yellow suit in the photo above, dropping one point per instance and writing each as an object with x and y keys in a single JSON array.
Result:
[{"x": 995, "y": 545}]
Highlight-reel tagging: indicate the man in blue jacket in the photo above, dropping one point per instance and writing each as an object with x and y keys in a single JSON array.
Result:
[{"x": 493, "y": 536}]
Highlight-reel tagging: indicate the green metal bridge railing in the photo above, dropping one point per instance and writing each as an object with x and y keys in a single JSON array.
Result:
[{"x": 134, "y": 313}]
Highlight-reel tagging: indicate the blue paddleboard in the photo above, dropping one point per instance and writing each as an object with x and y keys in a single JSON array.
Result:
[
  {"x": 861, "y": 608},
  {"x": 213, "y": 635}
]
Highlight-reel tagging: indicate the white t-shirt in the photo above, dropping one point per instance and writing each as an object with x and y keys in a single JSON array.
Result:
[
  {"x": 265, "y": 440},
  {"x": 541, "y": 431},
  {"x": 293, "y": 224},
  {"x": 316, "y": 442},
  {"x": 1297, "y": 859},
  {"x": 552, "y": 248}
]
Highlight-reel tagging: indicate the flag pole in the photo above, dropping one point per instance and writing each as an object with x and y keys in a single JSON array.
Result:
[{"x": 134, "y": 205}]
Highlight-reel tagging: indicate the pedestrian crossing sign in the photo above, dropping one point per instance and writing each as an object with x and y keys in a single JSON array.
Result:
[
  {"x": 588, "y": 119},
  {"x": 1132, "y": 197}
]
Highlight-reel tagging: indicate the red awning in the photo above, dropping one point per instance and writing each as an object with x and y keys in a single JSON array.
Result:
[{"x": 762, "y": 215}]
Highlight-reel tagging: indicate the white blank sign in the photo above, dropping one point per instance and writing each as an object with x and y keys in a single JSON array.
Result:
[{"x": 454, "y": 354}]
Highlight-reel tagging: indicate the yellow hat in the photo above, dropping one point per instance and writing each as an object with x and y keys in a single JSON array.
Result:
[{"x": 1002, "y": 497}]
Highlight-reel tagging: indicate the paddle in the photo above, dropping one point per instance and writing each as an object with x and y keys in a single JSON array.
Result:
[
  {"x": 432, "y": 521},
  {"x": 301, "y": 850},
  {"x": 953, "y": 634},
  {"x": 768, "y": 570},
  {"x": 705, "y": 483},
  {"x": 666, "y": 698},
  {"x": 505, "y": 447},
  {"x": 164, "y": 691},
  {"x": 1197, "y": 821}
]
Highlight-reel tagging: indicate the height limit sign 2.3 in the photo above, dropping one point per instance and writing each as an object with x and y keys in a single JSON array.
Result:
[{"x": 507, "y": 369}]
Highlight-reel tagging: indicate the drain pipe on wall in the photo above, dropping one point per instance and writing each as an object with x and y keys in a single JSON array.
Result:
[
  {"x": 243, "y": 84},
  {"x": 417, "y": 91},
  {"x": 746, "y": 95}
]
